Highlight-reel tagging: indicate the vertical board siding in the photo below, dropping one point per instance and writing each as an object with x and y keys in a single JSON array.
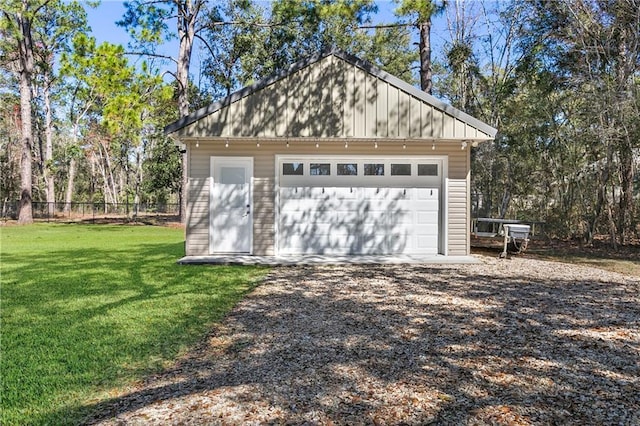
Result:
[
  {"x": 330, "y": 98},
  {"x": 404, "y": 114},
  {"x": 393, "y": 113},
  {"x": 459, "y": 129},
  {"x": 371, "y": 106},
  {"x": 359, "y": 105},
  {"x": 264, "y": 201},
  {"x": 382, "y": 109},
  {"x": 338, "y": 96},
  {"x": 426, "y": 129},
  {"x": 415, "y": 118},
  {"x": 437, "y": 126},
  {"x": 349, "y": 92}
]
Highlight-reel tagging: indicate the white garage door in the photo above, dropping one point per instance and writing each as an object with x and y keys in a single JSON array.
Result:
[{"x": 365, "y": 206}]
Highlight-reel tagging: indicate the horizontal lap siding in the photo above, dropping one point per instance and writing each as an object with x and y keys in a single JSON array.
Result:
[
  {"x": 458, "y": 206},
  {"x": 264, "y": 208},
  {"x": 264, "y": 203},
  {"x": 263, "y": 194},
  {"x": 197, "y": 230}
]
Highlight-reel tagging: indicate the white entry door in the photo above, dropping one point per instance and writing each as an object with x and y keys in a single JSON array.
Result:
[{"x": 231, "y": 228}]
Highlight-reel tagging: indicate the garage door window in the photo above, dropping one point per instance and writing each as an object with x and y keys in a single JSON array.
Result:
[
  {"x": 400, "y": 169},
  {"x": 347, "y": 169},
  {"x": 292, "y": 169},
  {"x": 373, "y": 169},
  {"x": 427, "y": 170},
  {"x": 320, "y": 169}
]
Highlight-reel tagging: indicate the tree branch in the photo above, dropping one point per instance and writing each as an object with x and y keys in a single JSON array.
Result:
[
  {"x": 368, "y": 27},
  {"x": 199, "y": 37},
  {"x": 41, "y": 6},
  {"x": 152, "y": 55},
  {"x": 172, "y": 74},
  {"x": 248, "y": 24}
]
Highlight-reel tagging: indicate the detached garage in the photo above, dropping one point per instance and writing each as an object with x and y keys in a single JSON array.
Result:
[{"x": 333, "y": 156}]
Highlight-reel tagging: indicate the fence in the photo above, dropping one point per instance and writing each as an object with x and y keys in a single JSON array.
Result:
[{"x": 83, "y": 211}]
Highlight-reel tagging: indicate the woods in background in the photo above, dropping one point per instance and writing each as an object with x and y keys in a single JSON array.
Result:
[{"x": 81, "y": 121}]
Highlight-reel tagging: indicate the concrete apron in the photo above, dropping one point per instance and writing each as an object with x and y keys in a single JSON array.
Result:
[{"x": 324, "y": 259}]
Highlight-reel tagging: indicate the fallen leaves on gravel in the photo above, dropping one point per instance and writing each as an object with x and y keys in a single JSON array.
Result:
[{"x": 507, "y": 342}]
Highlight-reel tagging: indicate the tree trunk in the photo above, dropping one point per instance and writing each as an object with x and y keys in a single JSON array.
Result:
[
  {"x": 109, "y": 181},
  {"x": 106, "y": 193},
  {"x": 138, "y": 184},
  {"x": 625, "y": 219},
  {"x": 48, "y": 151},
  {"x": 188, "y": 13},
  {"x": 184, "y": 188},
  {"x": 70, "y": 182},
  {"x": 184, "y": 58},
  {"x": 426, "y": 83},
  {"x": 612, "y": 228},
  {"x": 25, "y": 209},
  {"x": 182, "y": 73}
]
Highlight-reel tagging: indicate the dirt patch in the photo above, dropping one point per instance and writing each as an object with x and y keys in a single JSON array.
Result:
[{"x": 600, "y": 254}]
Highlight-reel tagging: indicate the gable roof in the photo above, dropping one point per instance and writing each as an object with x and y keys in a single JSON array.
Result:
[{"x": 331, "y": 94}]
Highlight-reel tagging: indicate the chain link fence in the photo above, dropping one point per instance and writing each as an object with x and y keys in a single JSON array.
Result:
[{"x": 94, "y": 211}]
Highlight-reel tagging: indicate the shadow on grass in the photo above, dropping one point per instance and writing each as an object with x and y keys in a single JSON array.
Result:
[
  {"x": 79, "y": 322},
  {"x": 467, "y": 344}
]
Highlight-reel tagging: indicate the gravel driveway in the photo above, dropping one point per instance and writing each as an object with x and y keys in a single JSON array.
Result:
[{"x": 515, "y": 342}]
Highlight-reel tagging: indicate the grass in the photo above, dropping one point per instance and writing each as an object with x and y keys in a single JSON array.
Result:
[{"x": 86, "y": 310}]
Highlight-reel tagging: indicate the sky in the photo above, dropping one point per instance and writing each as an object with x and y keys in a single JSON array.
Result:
[
  {"x": 103, "y": 18},
  {"x": 102, "y": 21}
]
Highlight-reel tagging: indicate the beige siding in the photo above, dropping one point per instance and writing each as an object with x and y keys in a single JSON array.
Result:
[
  {"x": 331, "y": 98},
  {"x": 457, "y": 209},
  {"x": 404, "y": 107},
  {"x": 359, "y": 104},
  {"x": 264, "y": 184},
  {"x": 197, "y": 231},
  {"x": 415, "y": 118},
  {"x": 370, "y": 90},
  {"x": 426, "y": 127}
]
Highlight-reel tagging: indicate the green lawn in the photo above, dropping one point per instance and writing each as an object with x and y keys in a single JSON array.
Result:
[{"x": 87, "y": 309}]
